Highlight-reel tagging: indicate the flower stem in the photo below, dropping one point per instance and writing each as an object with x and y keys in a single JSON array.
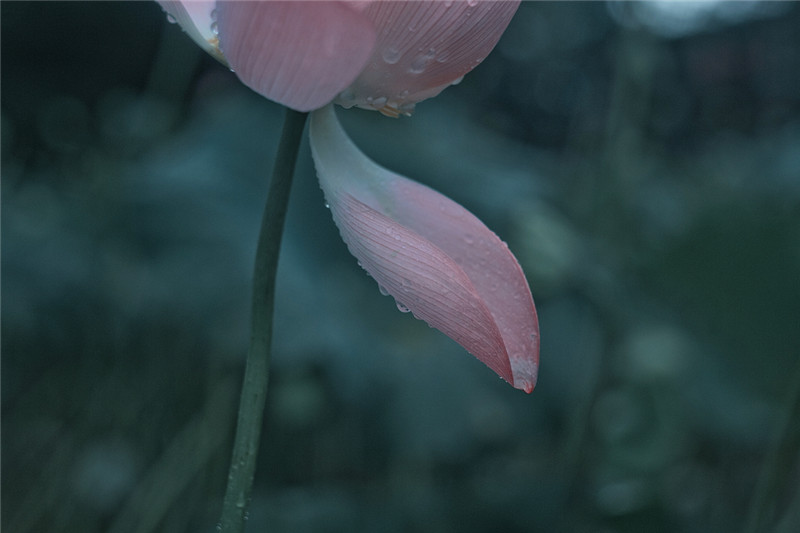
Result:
[
  {"x": 254, "y": 386},
  {"x": 781, "y": 461}
]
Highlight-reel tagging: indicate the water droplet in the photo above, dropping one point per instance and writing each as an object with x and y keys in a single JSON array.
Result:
[
  {"x": 402, "y": 308},
  {"x": 393, "y": 233},
  {"x": 379, "y": 102},
  {"x": 457, "y": 80},
  {"x": 214, "y": 14},
  {"x": 407, "y": 108},
  {"x": 215, "y": 28},
  {"x": 347, "y": 98},
  {"x": 420, "y": 63},
  {"x": 171, "y": 19},
  {"x": 417, "y": 67},
  {"x": 327, "y": 205},
  {"x": 383, "y": 290},
  {"x": 391, "y": 55}
]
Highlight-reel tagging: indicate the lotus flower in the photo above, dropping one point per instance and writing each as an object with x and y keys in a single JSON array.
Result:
[{"x": 433, "y": 256}]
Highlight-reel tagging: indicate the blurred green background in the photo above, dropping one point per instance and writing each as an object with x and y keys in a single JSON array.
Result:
[{"x": 641, "y": 159}]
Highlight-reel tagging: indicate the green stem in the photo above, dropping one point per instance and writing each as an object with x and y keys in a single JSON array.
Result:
[
  {"x": 779, "y": 464},
  {"x": 254, "y": 386}
]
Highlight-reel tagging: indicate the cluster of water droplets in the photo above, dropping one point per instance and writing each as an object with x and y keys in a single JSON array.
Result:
[
  {"x": 214, "y": 25},
  {"x": 415, "y": 63},
  {"x": 400, "y": 306},
  {"x": 378, "y": 102},
  {"x": 388, "y": 105}
]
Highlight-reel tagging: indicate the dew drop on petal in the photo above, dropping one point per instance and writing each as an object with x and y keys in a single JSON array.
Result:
[
  {"x": 347, "y": 98},
  {"x": 421, "y": 62},
  {"x": 215, "y": 28},
  {"x": 402, "y": 308},
  {"x": 417, "y": 67},
  {"x": 171, "y": 19},
  {"x": 391, "y": 55},
  {"x": 383, "y": 290}
]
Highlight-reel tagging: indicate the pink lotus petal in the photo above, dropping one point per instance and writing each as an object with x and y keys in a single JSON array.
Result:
[
  {"x": 432, "y": 255},
  {"x": 299, "y": 54},
  {"x": 423, "y": 47}
]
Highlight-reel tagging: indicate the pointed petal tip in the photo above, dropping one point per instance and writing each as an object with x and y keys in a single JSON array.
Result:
[
  {"x": 525, "y": 366},
  {"x": 525, "y": 384}
]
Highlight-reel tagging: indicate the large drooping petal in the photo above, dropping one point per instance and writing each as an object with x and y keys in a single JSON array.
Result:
[
  {"x": 299, "y": 54},
  {"x": 432, "y": 255},
  {"x": 422, "y": 48}
]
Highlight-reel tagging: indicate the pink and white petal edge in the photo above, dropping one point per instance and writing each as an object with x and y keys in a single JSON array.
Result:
[
  {"x": 196, "y": 19},
  {"x": 430, "y": 254}
]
